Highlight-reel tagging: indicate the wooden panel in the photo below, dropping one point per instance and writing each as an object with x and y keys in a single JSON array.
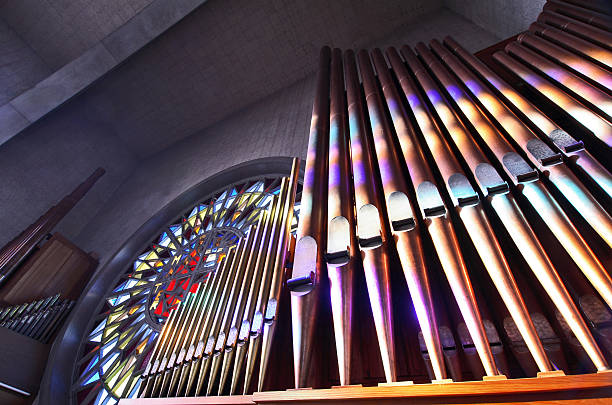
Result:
[
  {"x": 58, "y": 267},
  {"x": 22, "y": 361},
  {"x": 566, "y": 390}
]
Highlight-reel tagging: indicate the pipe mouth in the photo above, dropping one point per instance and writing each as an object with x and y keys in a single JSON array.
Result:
[
  {"x": 301, "y": 284},
  {"x": 371, "y": 243},
  {"x": 338, "y": 258},
  {"x": 402, "y": 225}
]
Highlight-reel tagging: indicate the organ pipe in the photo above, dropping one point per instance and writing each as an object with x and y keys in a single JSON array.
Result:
[{"x": 433, "y": 167}]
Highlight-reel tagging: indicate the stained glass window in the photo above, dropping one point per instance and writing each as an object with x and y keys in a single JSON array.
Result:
[{"x": 183, "y": 255}]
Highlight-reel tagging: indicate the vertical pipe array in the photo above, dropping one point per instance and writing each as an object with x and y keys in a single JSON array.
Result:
[{"x": 411, "y": 149}]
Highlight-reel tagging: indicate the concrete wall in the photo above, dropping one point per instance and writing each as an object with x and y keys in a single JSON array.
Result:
[
  {"x": 61, "y": 30},
  {"x": 275, "y": 126},
  {"x": 20, "y": 66},
  {"x": 437, "y": 25},
  {"x": 503, "y": 18},
  {"x": 52, "y": 157}
]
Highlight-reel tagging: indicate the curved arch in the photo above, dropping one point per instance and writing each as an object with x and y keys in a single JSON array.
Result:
[{"x": 56, "y": 383}]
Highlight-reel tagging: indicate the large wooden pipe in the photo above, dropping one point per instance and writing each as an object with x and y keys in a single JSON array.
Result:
[{"x": 13, "y": 253}]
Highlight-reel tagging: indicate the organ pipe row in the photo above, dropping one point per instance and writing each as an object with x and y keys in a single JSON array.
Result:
[
  {"x": 38, "y": 319},
  {"x": 427, "y": 142},
  {"x": 226, "y": 327},
  {"x": 450, "y": 207}
]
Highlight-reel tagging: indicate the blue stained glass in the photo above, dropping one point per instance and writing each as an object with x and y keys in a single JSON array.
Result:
[
  {"x": 94, "y": 377},
  {"x": 108, "y": 355},
  {"x": 108, "y": 347},
  {"x": 99, "y": 327},
  {"x": 109, "y": 362},
  {"x": 92, "y": 363},
  {"x": 134, "y": 392},
  {"x": 102, "y": 396}
]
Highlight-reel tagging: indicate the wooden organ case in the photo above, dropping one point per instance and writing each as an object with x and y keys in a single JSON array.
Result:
[{"x": 454, "y": 243}]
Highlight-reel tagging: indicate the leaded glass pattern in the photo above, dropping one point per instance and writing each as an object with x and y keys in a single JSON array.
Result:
[{"x": 182, "y": 256}]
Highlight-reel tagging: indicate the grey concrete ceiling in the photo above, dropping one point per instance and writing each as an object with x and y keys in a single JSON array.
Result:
[
  {"x": 226, "y": 55},
  {"x": 59, "y": 31}
]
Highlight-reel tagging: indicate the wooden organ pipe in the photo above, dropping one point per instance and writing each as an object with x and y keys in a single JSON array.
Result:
[{"x": 13, "y": 253}]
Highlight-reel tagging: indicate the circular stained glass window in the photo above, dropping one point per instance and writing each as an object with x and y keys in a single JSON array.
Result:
[{"x": 183, "y": 255}]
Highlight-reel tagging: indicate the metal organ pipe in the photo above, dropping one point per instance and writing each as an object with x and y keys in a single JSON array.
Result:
[
  {"x": 594, "y": 34},
  {"x": 433, "y": 211},
  {"x": 478, "y": 226},
  {"x": 591, "y": 17},
  {"x": 410, "y": 150},
  {"x": 342, "y": 248},
  {"x": 526, "y": 180},
  {"x": 593, "y": 52},
  {"x": 546, "y": 160},
  {"x": 309, "y": 260},
  {"x": 599, "y": 99},
  {"x": 587, "y": 69},
  {"x": 573, "y": 149}
]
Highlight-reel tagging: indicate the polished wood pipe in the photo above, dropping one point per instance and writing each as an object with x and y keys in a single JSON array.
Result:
[{"x": 13, "y": 253}]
